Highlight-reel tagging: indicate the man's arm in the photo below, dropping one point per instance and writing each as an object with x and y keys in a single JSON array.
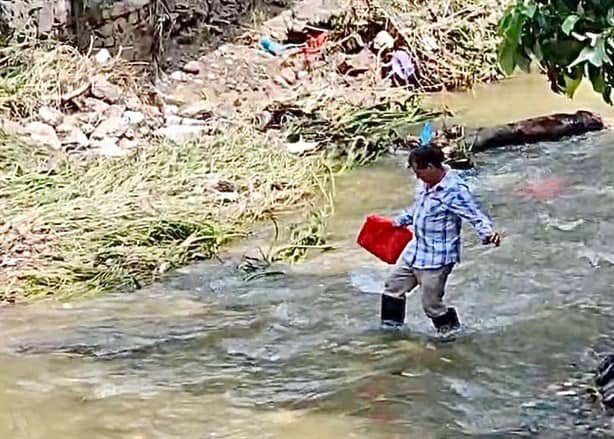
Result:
[
  {"x": 463, "y": 204},
  {"x": 406, "y": 217}
]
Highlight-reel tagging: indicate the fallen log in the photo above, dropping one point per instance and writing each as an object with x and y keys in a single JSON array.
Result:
[{"x": 533, "y": 130}]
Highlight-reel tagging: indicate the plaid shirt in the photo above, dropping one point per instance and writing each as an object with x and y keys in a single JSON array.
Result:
[{"x": 436, "y": 217}]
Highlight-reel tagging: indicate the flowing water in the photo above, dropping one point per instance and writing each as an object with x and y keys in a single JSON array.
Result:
[{"x": 301, "y": 355}]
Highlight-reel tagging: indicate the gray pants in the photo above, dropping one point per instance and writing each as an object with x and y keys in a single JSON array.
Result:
[{"x": 432, "y": 282}]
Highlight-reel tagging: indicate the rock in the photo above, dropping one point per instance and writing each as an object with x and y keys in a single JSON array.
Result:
[
  {"x": 50, "y": 116},
  {"x": 181, "y": 133},
  {"x": 108, "y": 147},
  {"x": 72, "y": 136},
  {"x": 288, "y": 75},
  {"x": 112, "y": 127},
  {"x": 129, "y": 134},
  {"x": 128, "y": 144},
  {"x": 114, "y": 111},
  {"x": 133, "y": 103},
  {"x": 64, "y": 129},
  {"x": 358, "y": 64},
  {"x": 134, "y": 117},
  {"x": 301, "y": 147},
  {"x": 88, "y": 128},
  {"x": 171, "y": 119},
  {"x": 103, "y": 89},
  {"x": 180, "y": 76},
  {"x": 81, "y": 118},
  {"x": 151, "y": 111},
  {"x": 192, "y": 67},
  {"x": 190, "y": 121},
  {"x": 196, "y": 110},
  {"x": 43, "y": 133},
  {"x": 94, "y": 105},
  {"x": 103, "y": 56},
  {"x": 170, "y": 110},
  {"x": 12, "y": 128}
]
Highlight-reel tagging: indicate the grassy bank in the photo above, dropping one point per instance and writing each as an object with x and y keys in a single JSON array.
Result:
[{"x": 73, "y": 229}]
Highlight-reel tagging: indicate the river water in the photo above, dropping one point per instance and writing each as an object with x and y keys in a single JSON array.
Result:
[{"x": 301, "y": 355}]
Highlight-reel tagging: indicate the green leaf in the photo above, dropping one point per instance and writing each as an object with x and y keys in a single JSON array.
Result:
[
  {"x": 569, "y": 24},
  {"x": 600, "y": 50},
  {"x": 607, "y": 95},
  {"x": 537, "y": 51},
  {"x": 571, "y": 85},
  {"x": 513, "y": 28},
  {"x": 523, "y": 61},
  {"x": 597, "y": 79},
  {"x": 530, "y": 10},
  {"x": 507, "y": 57},
  {"x": 588, "y": 54}
]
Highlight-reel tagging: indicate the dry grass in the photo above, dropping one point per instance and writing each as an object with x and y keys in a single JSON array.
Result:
[
  {"x": 72, "y": 229},
  {"x": 38, "y": 74},
  {"x": 464, "y": 34},
  {"x": 453, "y": 41}
]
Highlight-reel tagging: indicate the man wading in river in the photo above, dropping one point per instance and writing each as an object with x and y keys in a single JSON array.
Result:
[{"x": 442, "y": 202}]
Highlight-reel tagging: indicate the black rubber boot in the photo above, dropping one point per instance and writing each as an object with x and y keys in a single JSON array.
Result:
[
  {"x": 393, "y": 310},
  {"x": 447, "y": 322},
  {"x": 605, "y": 371}
]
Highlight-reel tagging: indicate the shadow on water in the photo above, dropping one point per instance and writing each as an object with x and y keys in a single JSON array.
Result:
[{"x": 208, "y": 354}]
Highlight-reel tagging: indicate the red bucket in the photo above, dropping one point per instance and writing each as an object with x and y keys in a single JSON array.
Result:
[{"x": 379, "y": 237}]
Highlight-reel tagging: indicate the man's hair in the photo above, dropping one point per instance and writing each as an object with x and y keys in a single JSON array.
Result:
[{"x": 426, "y": 155}]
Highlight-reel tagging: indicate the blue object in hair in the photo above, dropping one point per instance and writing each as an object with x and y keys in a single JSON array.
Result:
[{"x": 426, "y": 135}]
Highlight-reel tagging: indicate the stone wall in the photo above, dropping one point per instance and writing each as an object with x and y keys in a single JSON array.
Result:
[
  {"x": 36, "y": 18},
  {"x": 111, "y": 24}
]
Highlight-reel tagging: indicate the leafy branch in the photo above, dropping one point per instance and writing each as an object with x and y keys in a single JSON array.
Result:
[{"x": 569, "y": 40}]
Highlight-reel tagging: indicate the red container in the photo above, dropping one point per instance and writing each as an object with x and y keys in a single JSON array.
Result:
[{"x": 379, "y": 237}]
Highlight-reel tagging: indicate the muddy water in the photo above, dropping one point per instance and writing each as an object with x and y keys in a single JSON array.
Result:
[{"x": 208, "y": 355}]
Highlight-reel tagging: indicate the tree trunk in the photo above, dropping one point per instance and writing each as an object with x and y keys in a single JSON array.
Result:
[{"x": 533, "y": 130}]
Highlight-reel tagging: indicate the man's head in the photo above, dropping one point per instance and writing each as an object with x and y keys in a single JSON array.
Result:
[{"x": 427, "y": 163}]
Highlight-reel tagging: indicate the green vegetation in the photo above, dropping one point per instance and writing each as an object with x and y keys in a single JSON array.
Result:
[{"x": 568, "y": 39}]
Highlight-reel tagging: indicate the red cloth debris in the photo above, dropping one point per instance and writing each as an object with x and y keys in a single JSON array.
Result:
[{"x": 541, "y": 189}]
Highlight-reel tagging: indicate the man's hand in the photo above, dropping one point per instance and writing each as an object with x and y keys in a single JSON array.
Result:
[{"x": 494, "y": 238}]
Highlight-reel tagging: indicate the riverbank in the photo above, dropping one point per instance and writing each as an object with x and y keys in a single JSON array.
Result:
[{"x": 121, "y": 183}]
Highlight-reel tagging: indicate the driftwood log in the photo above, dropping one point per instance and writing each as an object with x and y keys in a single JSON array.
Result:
[{"x": 538, "y": 129}]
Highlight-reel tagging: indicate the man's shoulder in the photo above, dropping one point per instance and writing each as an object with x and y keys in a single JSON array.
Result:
[{"x": 456, "y": 183}]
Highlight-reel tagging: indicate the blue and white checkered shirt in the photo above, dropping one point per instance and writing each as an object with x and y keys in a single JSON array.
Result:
[{"x": 436, "y": 216}]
